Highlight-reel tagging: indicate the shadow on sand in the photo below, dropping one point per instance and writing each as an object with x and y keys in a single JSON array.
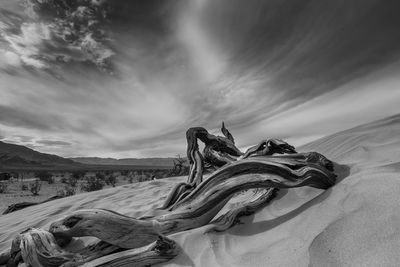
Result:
[{"x": 342, "y": 171}]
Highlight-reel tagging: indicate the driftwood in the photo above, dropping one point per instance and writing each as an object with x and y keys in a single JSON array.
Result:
[
  {"x": 195, "y": 203},
  {"x": 39, "y": 248},
  {"x": 260, "y": 198}
]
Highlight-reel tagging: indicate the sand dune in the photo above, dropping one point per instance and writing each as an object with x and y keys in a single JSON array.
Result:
[{"x": 355, "y": 223}]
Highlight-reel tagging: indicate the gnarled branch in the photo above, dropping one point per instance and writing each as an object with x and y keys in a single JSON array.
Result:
[{"x": 39, "y": 249}]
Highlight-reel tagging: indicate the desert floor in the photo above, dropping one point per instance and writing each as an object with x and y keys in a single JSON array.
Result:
[
  {"x": 354, "y": 223},
  {"x": 15, "y": 194}
]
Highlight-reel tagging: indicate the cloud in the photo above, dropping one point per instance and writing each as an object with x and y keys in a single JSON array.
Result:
[
  {"x": 295, "y": 49},
  {"x": 9, "y": 59},
  {"x": 355, "y": 103},
  {"x": 51, "y": 34},
  {"x": 27, "y": 44},
  {"x": 53, "y": 143},
  {"x": 25, "y": 119},
  {"x": 23, "y": 138}
]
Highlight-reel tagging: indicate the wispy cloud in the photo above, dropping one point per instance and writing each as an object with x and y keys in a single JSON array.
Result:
[
  {"x": 9, "y": 59},
  {"x": 18, "y": 117},
  {"x": 52, "y": 33},
  {"x": 53, "y": 143},
  {"x": 26, "y": 44},
  {"x": 361, "y": 101}
]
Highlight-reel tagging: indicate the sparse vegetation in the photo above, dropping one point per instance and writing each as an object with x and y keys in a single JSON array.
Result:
[
  {"x": 66, "y": 191},
  {"x": 124, "y": 172},
  {"x": 5, "y": 176},
  {"x": 179, "y": 168},
  {"x": 72, "y": 181},
  {"x": 100, "y": 176},
  {"x": 69, "y": 191},
  {"x": 77, "y": 175},
  {"x": 45, "y": 176},
  {"x": 143, "y": 177},
  {"x": 35, "y": 187},
  {"x": 3, "y": 187},
  {"x": 68, "y": 182},
  {"x": 111, "y": 180},
  {"x": 93, "y": 183},
  {"x": 24, "y": 187}
]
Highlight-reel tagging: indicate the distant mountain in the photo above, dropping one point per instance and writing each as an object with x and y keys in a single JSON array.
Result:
[
  {"x": 20, "y": 156},
  {"x": 165, "y": 162}
]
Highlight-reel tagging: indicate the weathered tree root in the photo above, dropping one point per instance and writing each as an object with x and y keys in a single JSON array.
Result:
[
  {"x": 288, "y": 172},
  {"x": 213, "y": 157},
  {"x": 195, "y": 177},
  {"x": 4, "y": 258},
  {"x": 260, "y": 199},
  {"x": 162, "y": 250},
  {"x": 39, "y": 249}
]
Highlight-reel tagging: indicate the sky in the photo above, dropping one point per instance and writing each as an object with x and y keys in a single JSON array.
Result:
[{"x": 128, "y": 78}]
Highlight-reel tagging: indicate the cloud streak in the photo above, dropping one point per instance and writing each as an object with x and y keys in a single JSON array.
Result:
[{"x": 53, "y": 143}]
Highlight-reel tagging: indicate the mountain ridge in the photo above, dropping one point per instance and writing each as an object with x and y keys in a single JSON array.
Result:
[
  {"x": 18, "y": 156},
  {"x": 158, "y": 161},
  {"x": 12, "y": 154}
]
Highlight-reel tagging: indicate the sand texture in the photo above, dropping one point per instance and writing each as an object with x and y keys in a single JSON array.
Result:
[{"x": 354, "y": 223}]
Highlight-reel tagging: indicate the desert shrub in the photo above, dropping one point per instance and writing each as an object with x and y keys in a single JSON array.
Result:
[
  {"x": 24, "y": 187},
  {"x": 35, "y": 187},
  {"x": 3, "y": 187},
  {"x": 64, "y": 180},
  {"x": 66, "y": 191},
  {"x": 180, "y": 167},
  {"x": 142, "y": 178},
  {"x": 45, "y": 176},
  {"x": 100, "y": 176},
  {"x": 69, "y": 191},
  {"x": 78, "y": 174},
  {"x": 111, "y": 180},
  {"x": 50, "y": 180},
  {"x": 92, "y": 184},
  {"x": 72, "y": 181},
  {"x": 60, "y": 192},
  {"x": 5, "y": 176}
]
